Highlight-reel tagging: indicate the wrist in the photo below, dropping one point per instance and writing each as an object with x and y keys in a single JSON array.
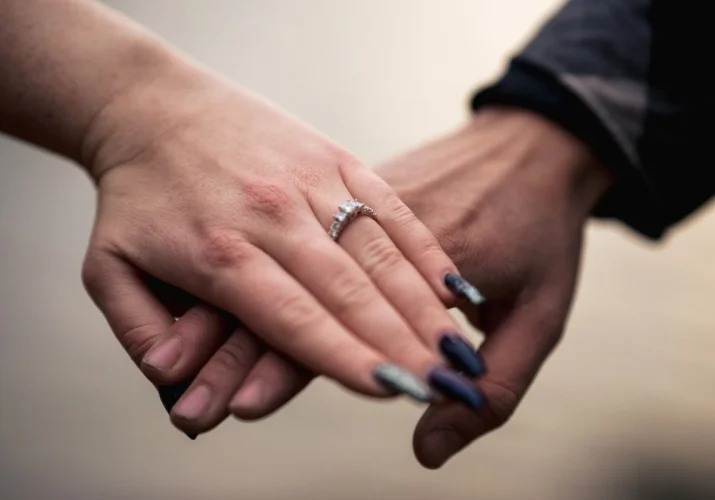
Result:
[
  {"x": 162, "y": 91},
  {"x": 535, "y": 152}
]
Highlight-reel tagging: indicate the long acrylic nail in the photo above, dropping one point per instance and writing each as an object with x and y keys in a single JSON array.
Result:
[
  {"x": 463, "y": 288},
  {"x": 455, "y": 386},
  {"x": 170, "y": 395},
  {"x": 401, "y": 381},
  {"x": 462, "y": 355}
]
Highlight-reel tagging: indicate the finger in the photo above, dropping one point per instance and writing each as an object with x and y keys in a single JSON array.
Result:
[
  {"x": 345, "y": 290},
  {"x": 272, "y": 383},
  {"x": 513, "y": 354},
  {"x": 188, "y": 345},
  {"x": 408, "y": 292},
  {"x": 134, "y": 314},
  {"x": 205, "y": 404},
  {"x": 414, "y": 240},
  {"x": 241, "y": 279}
]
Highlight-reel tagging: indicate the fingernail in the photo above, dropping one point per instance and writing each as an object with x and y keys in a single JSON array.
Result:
[
  {"x": 194, "y": 403},
  {"x": 463, "y": 288},
  {"x": 401, "y": 381},
  {"x": 170, "y": 395},
  {"x": 456, "y": 386},
  {"x": 163, "y": 356},
  {"x": 462, "y": 355},
  {"x": 440, "y": 445},
  {"x": 252, "y": 395}
]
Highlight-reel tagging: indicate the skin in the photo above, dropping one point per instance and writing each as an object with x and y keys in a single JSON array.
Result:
[
  {"x": 508, "y": 196},
  {"x": 514, "y": 192},
  {"x": 209, "y": 195},
  {"x": 209, "y": 189}
]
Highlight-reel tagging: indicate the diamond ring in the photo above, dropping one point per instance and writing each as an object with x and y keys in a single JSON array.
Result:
[{"x": 349, "y": 211}]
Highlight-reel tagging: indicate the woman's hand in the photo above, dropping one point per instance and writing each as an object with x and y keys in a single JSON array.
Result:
[{"x": 217, "y": 193}]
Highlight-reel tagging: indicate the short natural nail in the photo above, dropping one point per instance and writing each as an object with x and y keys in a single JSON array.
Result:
[
  {"x": 252, "y": 395},
  {"x": 463, "y": 288},
  {"x": 194, "y": 404},
  {"x": 439, "y": 445},
  {"x": 456, "y": 386},
  {"x": 164, "y": 356},
  {"x": 462, "y": 355},
  {"x": 401, "y": 381}
]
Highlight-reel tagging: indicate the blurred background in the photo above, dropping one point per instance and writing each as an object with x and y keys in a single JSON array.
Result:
[{"x": 625, "y": 409}]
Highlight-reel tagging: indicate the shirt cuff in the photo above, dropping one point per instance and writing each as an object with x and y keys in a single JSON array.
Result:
[{"x": 529, "y": 86}]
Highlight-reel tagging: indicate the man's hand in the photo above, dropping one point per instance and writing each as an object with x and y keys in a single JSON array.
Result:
[{"x": 508, "y": 197}]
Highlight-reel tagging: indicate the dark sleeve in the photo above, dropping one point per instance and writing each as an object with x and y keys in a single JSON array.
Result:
[{"x": 631, "y": 79}]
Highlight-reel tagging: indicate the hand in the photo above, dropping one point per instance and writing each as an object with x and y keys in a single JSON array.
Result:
[
  {"x": 507, "y": 197},
  {"x": 215, "y": 192}
]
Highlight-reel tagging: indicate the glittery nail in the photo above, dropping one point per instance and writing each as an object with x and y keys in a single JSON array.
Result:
[
  {"x": 401, "y": 381},
  {"x": 459, "y": 286},
  {"x": 456, "y": 386}
]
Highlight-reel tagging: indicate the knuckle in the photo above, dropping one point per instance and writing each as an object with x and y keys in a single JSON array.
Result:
[
  {"x": 268, "y": 199},
  {"x": 234, "y": 356},
  {"x": 399, "y": 212},
  {"x": 432, "y": 251},
  {"x": 381, "y": 255},
  {"x": 91, "y": 274},
  {"x": 226, "y": 248},
  {"x": 349, "y": 165},
  {"x": 351, "y": 293},
  {"x": 95, "y": 269},
  {"x": 203, "y": 320},
  {"x": 503, "y": 401},
  {"x": 139, "y": 339},
  {"x": 299, "y": 313},
  {"x": 548, "y": 326}
]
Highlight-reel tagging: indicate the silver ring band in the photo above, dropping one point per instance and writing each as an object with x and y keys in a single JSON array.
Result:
[{"x": 349, "y": 211}]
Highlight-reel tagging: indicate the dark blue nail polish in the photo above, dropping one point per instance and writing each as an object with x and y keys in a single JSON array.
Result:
[
  {"x": 461, "y": 355},
  {"x": 455, "y": 386},
  {"x": 170, "y": 395},
  {"x": 463, "y": 288}
]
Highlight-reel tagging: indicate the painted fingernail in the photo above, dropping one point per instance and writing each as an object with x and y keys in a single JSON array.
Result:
[
  {"x": 194, "y": 404},
  {"x": 462, "y": 355},
  {"x": 170, "y": 395},
  {"x": 459, "y": 286},
  {"x": 163, "y": 356},
  {"x": 456, "y": 386},
  {"x": 401, "y": 381}
]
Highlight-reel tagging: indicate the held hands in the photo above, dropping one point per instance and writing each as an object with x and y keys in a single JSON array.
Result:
[
  {"x": 212, "y": 191},
  {"x": 508, "y": 197}
]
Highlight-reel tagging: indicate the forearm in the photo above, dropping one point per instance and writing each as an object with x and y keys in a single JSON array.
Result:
[{"x": 64, "y": 61}]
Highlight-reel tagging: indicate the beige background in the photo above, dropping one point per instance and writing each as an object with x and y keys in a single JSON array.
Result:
[{"x": 624, "y": 407}]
